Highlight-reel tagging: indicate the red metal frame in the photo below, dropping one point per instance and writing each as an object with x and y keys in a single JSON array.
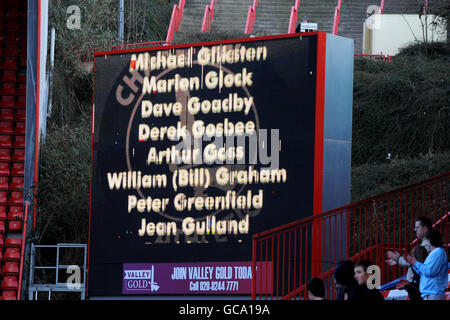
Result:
[
  {"x": 208, "y": 16},
  {"x": 22, "y": 254},
  {"x": 175, "y": 20},
  {"x": 365, "y": 229},
  {"x": 337, "y": 17},
  {"x": 294, "y": 16},
  {"x": 251, "y": 17},
  {"x": 381, "y": 11}
]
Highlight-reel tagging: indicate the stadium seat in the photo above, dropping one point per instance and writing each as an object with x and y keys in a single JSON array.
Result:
[
  {"x": 2, "y": 213},
  {"x": 21, "y": 115},
  {"x": 12, "y": 254},
  {"x": 5, "y": 141},
  {"x": 10, "y": 269},
  {"x": 22, "y": 88},
  {"x": 11, "y": 50},
  {"x": 16, "y": 198},
  {"x": 11, "y": 11},
  {"x": 19, "y": 142},
  {"x": 4, "y": 183},
  {"x": 2, "y": 244},
  {"x": 18, "y": 155},
  {"x": 4, "y": 169},
  {"x": 21, "y": 102},
  {"x": 2, "y": 228},
  {"x": 6, "y": 114},
  {"x": 9, "y": 63},
  {"x": 8, "y": 88},
  {"x": 12, "y": 25},
  {"x": 13, "y": 243},
  {"x": 23, "y": 61},
  {"x": 15, "y": 226},
  {"x": 17, "y": 183},
  {"x": 7, "y": 101},
  {"x": 3, "y": 198},
  {"x": 20, "y": 128},
  {"x": 17, "y": 169},
  {"x": 21, "y": 78},
  {"x": 6, "y": 127},
  {"x": 9, "y": 295},
  {"x": 9, "y": 76},
  {"x": 5, "y": 155},
  {"x": 15, "y": 213},
  {"x": 9, "y": 282}
]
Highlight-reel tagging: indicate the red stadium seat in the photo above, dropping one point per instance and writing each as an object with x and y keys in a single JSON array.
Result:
[
  {"x": 5, "y": 155},
  {"x": 22, "y": 88},
  {"x": 1, "y": 249},
  {"x": 6, "y": 114},
  {"x": 11, "y": 269},
  {"x": 15, "y": 213},
  {"x": 5, "y": 141},
  {"x": 10, "y": 63},
  {"x": 15, "y": 226},
  {"x": 17, "y": 169},
  {"x": 21, "y": 102},
  {"x": 20, "y": 114},
  {"x": 20, "y": 128},
  {"x": 22, "y": 78},
  {"x": 16, "y": 198},
  {"x": 19, "y": 142},
  {"x": 8, "y": 88},
  {"x": 12, "y": 254},
  {"x": 4, "y": 183},
  {"x": 12, "y": 25},
  {"x": 9, "y": 76},
  {"x": 11, "y": 50},
  {"x": 6, "y": 127},
  {"x": 9, "y": 282},
  {"x": 2, "y": 213},
  {"x": 4, "y": 169},
  {"x": 18, "y": 155},
  {"x": 16, "y": 184},
  {"x": 12, "y": 12},
  {"x": 2, "y": 228},
  {"x": 13, "y": 243},
  {"x": 7, "y": 101},
  {"x": 3, "y": 198},
  {"x": 8, "y": 295}
]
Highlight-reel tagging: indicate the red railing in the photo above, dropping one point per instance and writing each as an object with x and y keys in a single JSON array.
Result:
[
  {"x": 208, "y": 16},
  {"x": 22, "y": 253},
  {"x": 294, "y": 17},
  {"x": 177, "y": 14},
  {"x": 251, "y": 17},
  {"x": 337, "y": 17},
  {"x": 366, "y": 229},
  {"x": 381, "y": 10}
]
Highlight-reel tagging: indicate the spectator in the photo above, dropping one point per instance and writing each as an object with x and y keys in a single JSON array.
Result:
[
  {"x": 412, "y": 286},
  {"x": 434, "y": 271},
  {"x": 422, "y": 226},
  {"x": 345, "y": 279},
  {"x": 316, "y": 289},
  {"x": 362, "y": 292}
]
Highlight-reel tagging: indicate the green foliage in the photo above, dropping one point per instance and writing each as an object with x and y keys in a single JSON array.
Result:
[
  {"x": 144, "y": 20},
  {"x": 63, "y": 193},
  {"x": 401, "y": 108},
  {"x": 369, "y": 180}
]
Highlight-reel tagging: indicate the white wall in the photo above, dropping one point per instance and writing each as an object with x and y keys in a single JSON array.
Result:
[{"x": 387, "y": 33}]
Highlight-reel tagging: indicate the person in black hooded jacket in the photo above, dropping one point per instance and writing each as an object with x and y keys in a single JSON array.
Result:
[{"x": 344, "y": 277}]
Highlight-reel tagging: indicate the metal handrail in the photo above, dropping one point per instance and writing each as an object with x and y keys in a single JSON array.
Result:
[
  {"x": 175, "y": 20},
  {"x": 294, "y": 17},
  {"x": 337, "y": 17},
  {"x": 22, "y": 254},
  {"x": 208, "y": 16},
  {"x": 251, "y": 17},
  {"x": 365, "y": 229}
]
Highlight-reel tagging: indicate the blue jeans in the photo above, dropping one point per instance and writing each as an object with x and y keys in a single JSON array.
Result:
[{"x": 433, "y": 297}]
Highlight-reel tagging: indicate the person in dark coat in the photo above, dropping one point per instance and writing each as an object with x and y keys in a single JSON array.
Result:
[
  {"x": 344, "y": 277},
  {"x": 362, "y": 292}
]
